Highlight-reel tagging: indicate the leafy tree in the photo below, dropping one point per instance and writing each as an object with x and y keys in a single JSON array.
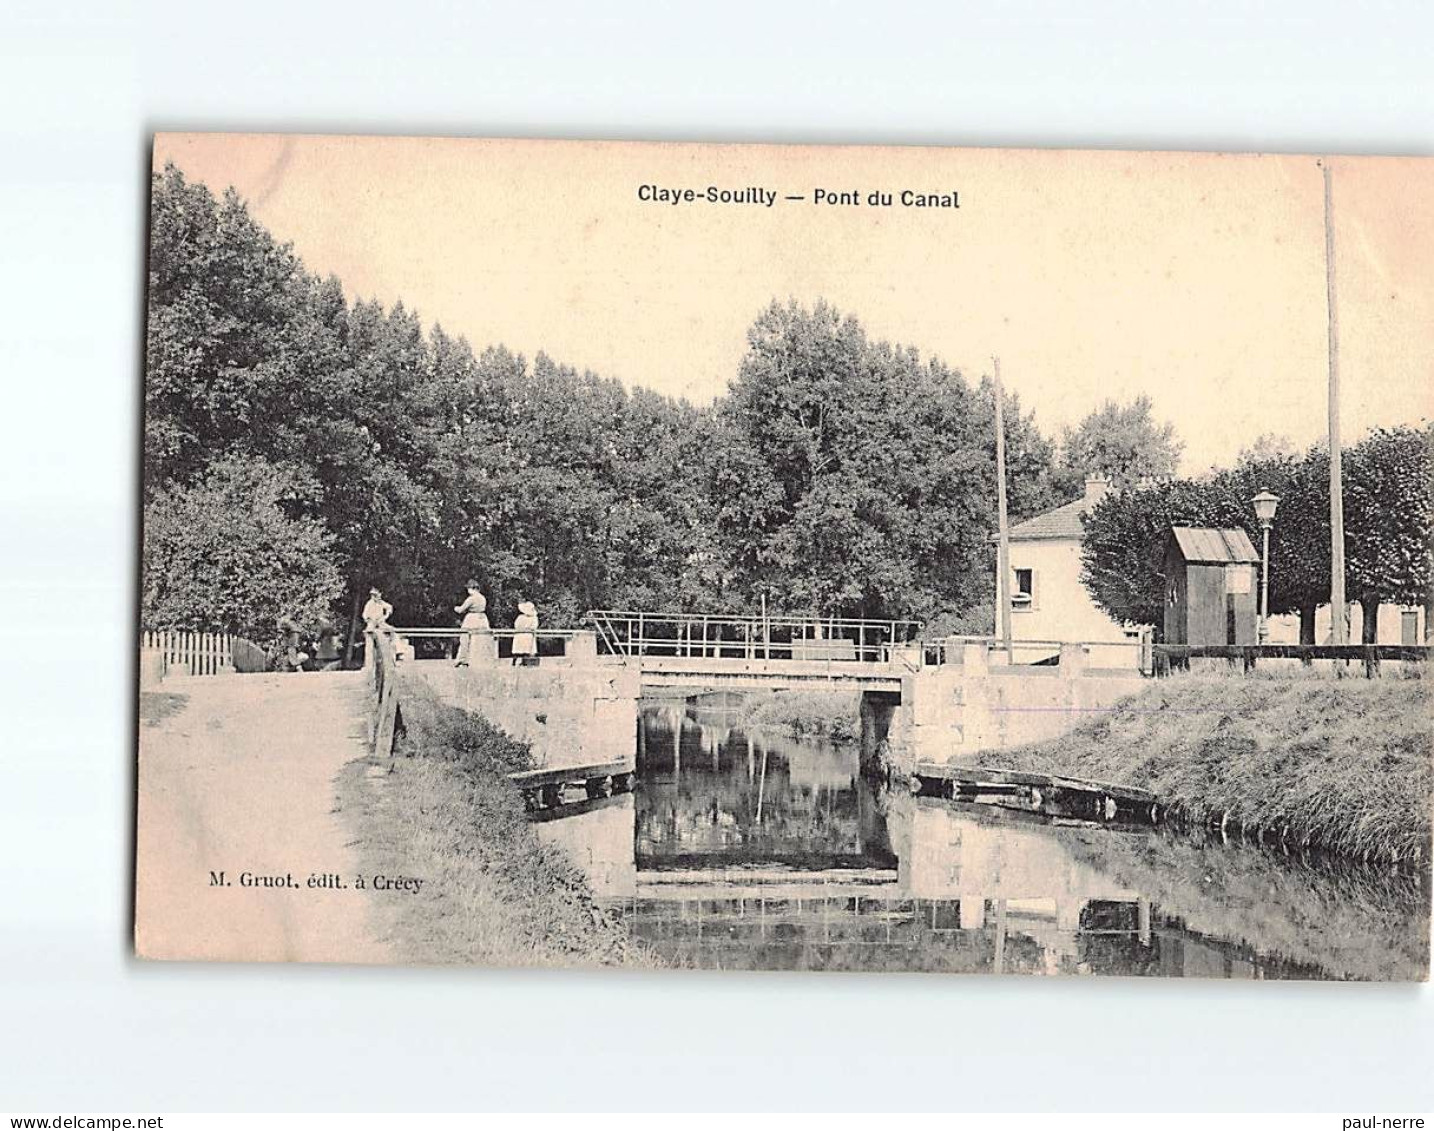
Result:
[
  {"x": 221, "y": 293},
  {"x": 248, "y": 356},
  {"x": 1122, "y": 442},
  {"x": 1388, "y": 511},
  {"x": 294, "y": 437},
  {"x": 850, "y": 478},
  {"x": 1267, "y": 446},
  {"x": 1389, "y": 520},
  {"x": 232, "y": 551},
  {"x": 1122, "y": 552}
]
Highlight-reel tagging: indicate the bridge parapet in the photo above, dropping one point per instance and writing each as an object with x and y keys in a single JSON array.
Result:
[
  {"x": 568, "y": 706},
  {"x": 950, "y": 711},
  {"x": 569, "y": 715},
  {"x": 562, "y": 647}
]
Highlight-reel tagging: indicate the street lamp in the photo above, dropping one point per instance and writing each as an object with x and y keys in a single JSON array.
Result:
[{"x": 1265, "y": 504}]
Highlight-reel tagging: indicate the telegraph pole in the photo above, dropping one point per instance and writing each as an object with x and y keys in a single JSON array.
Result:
[
  {"x": 1339, "y": 626},
  {"x": 1003, "y": 547}
]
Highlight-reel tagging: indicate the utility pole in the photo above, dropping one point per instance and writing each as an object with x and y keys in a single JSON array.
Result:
[
  {"x": 1339, "y": 626},
  {"x": 1003, "y": 547}
]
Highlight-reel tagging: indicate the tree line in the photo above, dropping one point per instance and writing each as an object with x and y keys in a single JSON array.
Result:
[
  {"x": 1388, "y": 488},
  {"x": 301, "y": 447}
]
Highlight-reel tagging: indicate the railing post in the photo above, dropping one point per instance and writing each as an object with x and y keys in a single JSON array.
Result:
[{"x": 581, "y": 647}]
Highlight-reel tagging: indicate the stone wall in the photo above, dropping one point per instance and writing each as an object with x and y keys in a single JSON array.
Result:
[
  {"x": 952, "y": 712},
  {"x": 569, "y": 714}
]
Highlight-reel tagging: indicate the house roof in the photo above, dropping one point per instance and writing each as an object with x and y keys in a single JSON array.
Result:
[
  {"x": 1204, "y": 544},
  {"x": 1063, "y": 522}
]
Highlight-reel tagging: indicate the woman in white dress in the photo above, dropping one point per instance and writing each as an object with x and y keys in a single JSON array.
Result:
[
  {"x": 474, "y": 611},
  {"x": 525, "y": 627}
]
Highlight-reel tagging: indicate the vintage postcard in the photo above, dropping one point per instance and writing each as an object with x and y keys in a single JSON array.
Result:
[{"x": 786, "y": 558}]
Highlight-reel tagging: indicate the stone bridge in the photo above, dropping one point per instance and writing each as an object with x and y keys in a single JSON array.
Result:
[{"x": 920, "y": 703}]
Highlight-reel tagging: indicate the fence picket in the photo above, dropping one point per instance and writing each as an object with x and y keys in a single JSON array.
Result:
[{"x": 206, "y": 653}]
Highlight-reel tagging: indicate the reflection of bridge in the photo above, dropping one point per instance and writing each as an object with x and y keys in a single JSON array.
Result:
[
  {"x": 980, "y": 890},
  {"x": 961, "y": 895}
]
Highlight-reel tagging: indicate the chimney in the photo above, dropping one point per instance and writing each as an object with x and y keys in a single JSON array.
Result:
[{"x": 1095, "y": 488}]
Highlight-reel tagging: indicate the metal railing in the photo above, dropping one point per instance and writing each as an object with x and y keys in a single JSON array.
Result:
[{"x": 630, "y": 633}]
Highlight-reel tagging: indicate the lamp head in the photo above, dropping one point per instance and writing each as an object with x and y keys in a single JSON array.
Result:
[{"x": 1265, "y": 504}]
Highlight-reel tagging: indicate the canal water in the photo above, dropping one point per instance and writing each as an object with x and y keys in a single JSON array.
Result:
[{"x": 746, "y": 851}]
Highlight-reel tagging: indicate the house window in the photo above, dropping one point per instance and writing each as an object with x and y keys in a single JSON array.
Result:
[{"x": 1023, "y": 592}]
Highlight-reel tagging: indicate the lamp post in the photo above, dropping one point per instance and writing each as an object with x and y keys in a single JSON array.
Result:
[{"x": 1265, "y": 504}]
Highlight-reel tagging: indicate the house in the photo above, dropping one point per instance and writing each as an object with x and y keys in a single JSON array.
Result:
[{"x": 1049, "y": 605}]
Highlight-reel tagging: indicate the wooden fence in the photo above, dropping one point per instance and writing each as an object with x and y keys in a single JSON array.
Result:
[
  {"x": 1178, "y": 656},
  {"x": 204, "y": 653},
  {"x": 381, "y": 666}
]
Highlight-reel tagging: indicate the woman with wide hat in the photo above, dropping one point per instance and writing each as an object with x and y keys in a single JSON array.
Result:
[{"x": 525, "y": 629}]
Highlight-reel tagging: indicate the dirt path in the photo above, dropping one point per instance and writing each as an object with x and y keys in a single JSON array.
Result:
[{"x": 241, "y": 779}]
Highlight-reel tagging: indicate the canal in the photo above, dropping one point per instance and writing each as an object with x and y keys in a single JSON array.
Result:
[{"x": 746, "y": 851}]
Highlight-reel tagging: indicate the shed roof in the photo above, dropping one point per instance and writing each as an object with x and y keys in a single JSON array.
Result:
[{"x": 1204, "y": 544}]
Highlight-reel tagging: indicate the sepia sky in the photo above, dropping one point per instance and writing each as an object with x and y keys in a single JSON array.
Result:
[{"x": 1195, "y": 278}]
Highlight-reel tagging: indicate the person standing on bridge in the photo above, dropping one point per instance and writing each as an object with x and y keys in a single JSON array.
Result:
[
  {"x": 525, "y": 628},
  {"x": 474, "y": 611},
  {"x": 376, "y": 612}
]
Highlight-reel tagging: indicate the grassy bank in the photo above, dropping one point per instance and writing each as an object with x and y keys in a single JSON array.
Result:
[
  {"x": 494, "y": 894},
  {"x": 831, "y": 715},
  {"x": 1344, "y": 765}
]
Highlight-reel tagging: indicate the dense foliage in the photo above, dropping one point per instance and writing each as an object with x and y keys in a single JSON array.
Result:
[
  {"x": 301, "y": 447},
  {"x": 1123, "y": 443},
  {"x": 853, "y": 477},
  {"x": 223, "y": 552},
  {"x": 839, "y": 476},
  {"x": 1389, "y": 524}
]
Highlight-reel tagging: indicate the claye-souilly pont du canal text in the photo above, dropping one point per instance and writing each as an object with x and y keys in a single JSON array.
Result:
[{"x": 768, "y": 198}]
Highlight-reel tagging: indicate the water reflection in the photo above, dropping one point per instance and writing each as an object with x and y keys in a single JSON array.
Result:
[
  {"x": 713, "y": 796},
  {"x": 755, "y": 851}
]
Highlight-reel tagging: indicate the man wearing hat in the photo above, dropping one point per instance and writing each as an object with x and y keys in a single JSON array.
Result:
[{"x": 376, "y": 612}]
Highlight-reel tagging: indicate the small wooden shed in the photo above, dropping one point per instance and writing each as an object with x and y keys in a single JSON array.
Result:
[{"x": 1211, "y": 594}]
